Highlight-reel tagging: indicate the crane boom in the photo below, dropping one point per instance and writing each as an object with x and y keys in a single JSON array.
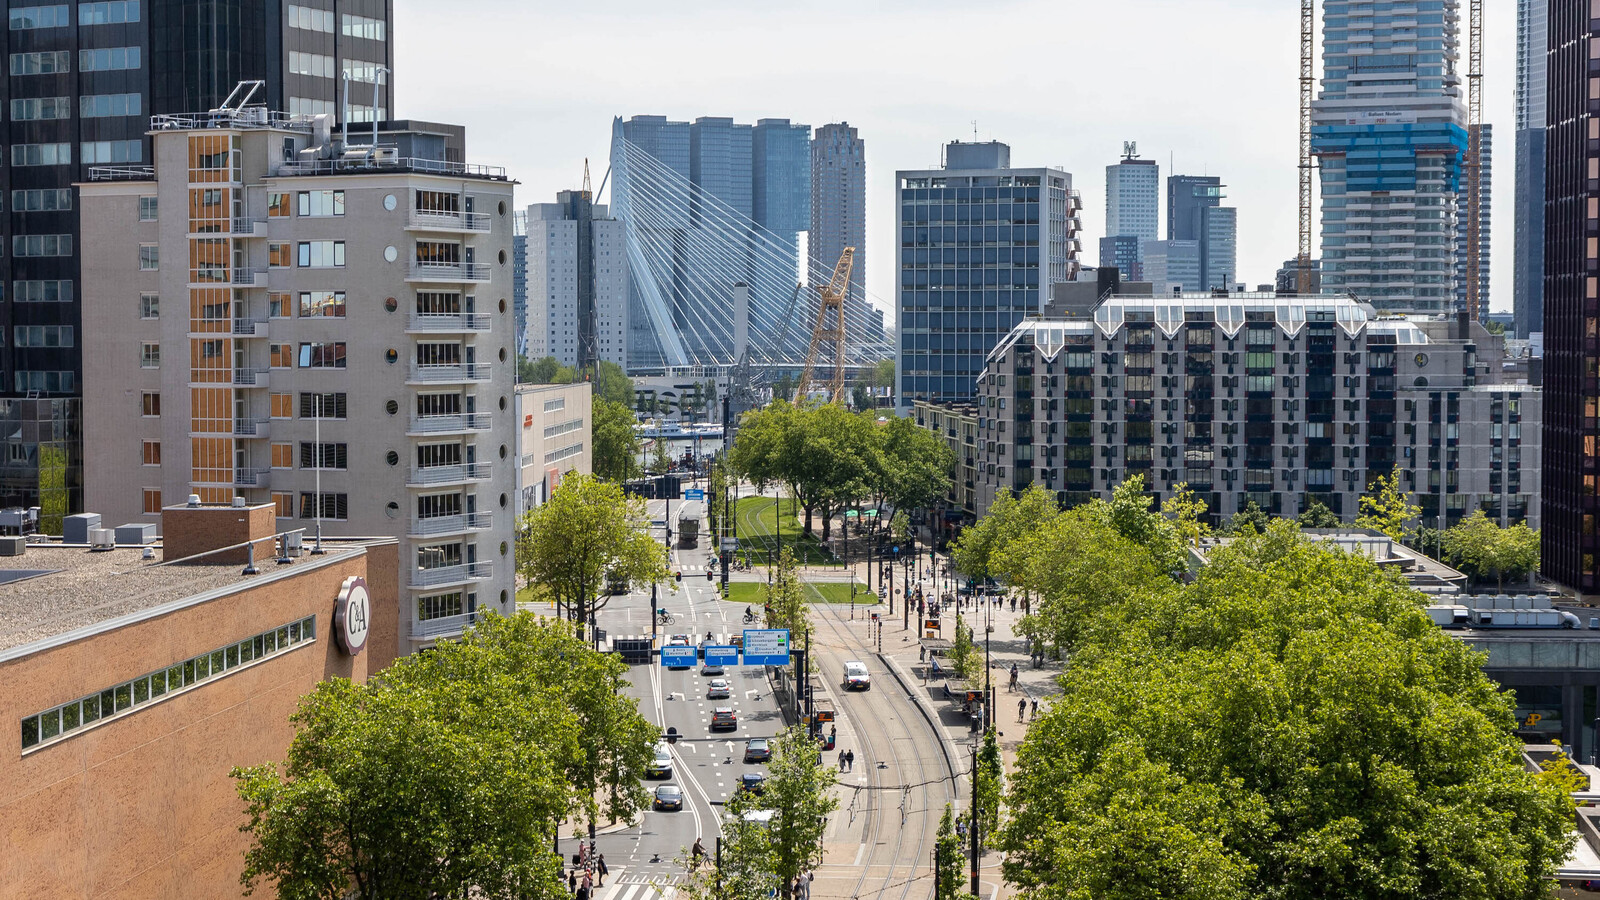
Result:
[
  {"x": 1307, "y": 84},
  {"x": 830, "y": 307}
]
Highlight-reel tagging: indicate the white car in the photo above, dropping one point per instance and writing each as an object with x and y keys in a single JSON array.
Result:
[
  {"x": 856, "y": 677},
  {"x": 719, "y": 689},
  {"x": 661, "y": 765}
]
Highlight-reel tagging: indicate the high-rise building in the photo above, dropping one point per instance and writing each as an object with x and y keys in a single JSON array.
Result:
[
  {"x": 780, "y": 187},
  {"x": 1389, "y": 130},
  {"x": 839, "y": 203},
  {"x": 1133, "y": 209},
  {"x": 722, "y": 162},
  {"x": 1570, "y": 538},
  {"x": 980, "y": 245},
  {"x": 1187, "y": 195},
  {"x": 271, "y": 317},
  {"x": 1486, "y": 205},
  {"x": 1527, "y": 271},
  {"x": 1195, "y": 213},
  {"x": 577, "y": 282},
  {"x": 84, "y": 80},
  {"x": 519, "y": 277},
  {"x": 1123, "y": 252},
  {"x": 1173, "y": 266}
]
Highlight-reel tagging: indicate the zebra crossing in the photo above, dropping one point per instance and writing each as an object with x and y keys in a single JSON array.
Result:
[{"x": 637, "y": 886}]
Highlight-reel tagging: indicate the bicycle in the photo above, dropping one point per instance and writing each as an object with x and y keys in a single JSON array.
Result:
[{"x": 664, "y": 618}]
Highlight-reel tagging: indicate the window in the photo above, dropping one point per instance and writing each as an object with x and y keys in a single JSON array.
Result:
[
  {"x": 566, "y": 427},
  {"x": 361, "y": 27},
  {"x": 45, "y": 382},
  {"x": 25, "y": 18},
  {"x": 41, "y": 154},
  {"x": 48, "y": 200},
  {"x": 31, "y": 109},
  {"x": 322, "y": 303},
  {"x": 282, "y": 356},
  {"x": 149, "y": 257},
  {"x": 308, "y": 19},
  {"x": 152, "y": 454},
  {"x": 362, "y": 113},
  {"x": 321, "y": 254},
  {"x": 41, "y": 245},
  {"x": 99, "y": 106},
  {"x": 322, "y": 406},
  {"x": 303, "y": 106},
  {"x": 282, "y": 406},
  {"x": 42, "y": 335},
  {"x": 438, "y": 253},
  {"x": 114, "y": 12},
  {"x": 278, "y": 204},
  {"x": 361, "y": 70},
  {"x": 333, "y": 506},
  {"x": 152, "y": 501},
  {"x": 439, "y": 606},
  {"x": 566, "y": 452},
  {"x": 322, "y": 456},
  {"x": 321, "y": 203},
  {"x": 283, "y": 456},
  {"x": 49, "y": 62},
  {"x": 279, "y": 304},
  {"x": 322, "y": 355},
  {"x": 108, "y": 59},
  {"x": 314, "y": 64},
  {"x": 280, "y": 255},
  {"x": 61, "y": 721},
  {"x": 112, "y": 151},
  {"x": 41, "y": 291},
  {"x": 558, "y": 403},
  {"x": 148, "y": 208},
  {"x": 284, "y": 501},
  {"x": 149, "y": 355},
  {"x": 150, "y": 404}
]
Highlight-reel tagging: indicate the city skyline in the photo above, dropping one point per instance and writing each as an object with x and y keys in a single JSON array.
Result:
[{"x": 1245, "y": 134}]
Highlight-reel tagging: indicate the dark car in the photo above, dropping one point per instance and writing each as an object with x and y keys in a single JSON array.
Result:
[
  {"x": 754, "y": 782},
  {"x": 757, "y": 750},
  {"x": 668, "y": 796},
  {"x": 723, "y": 717}
]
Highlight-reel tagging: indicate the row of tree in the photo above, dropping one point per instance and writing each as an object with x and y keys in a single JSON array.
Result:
[
  {"x": 448, "y": 774},
  {"x": 1286, "y": 722},
  {"x": 831, "y": 459}
]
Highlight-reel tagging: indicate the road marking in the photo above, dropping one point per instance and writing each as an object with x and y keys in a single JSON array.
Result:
[
  {"x": 860, "y": 853},
  {"x": 692, "y": 748}
]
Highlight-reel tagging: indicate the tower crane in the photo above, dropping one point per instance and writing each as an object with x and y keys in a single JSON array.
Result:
[{"x": 830, "y": 328}]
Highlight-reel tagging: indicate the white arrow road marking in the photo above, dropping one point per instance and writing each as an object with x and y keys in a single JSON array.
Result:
[
  {"x": 753, "y": 694},
  {"x": 692, "y": 748}
]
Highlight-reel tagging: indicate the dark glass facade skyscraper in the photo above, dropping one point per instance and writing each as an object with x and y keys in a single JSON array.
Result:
[
  {"x": 1533, "y": 38},
  {"x": 82, "y": 81}
]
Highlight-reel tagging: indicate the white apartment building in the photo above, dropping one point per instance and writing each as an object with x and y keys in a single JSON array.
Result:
[
  {"x": 554, "y": 438},
  {"x": 577, "y": 282},
  {"x": 274, "y": 318}
]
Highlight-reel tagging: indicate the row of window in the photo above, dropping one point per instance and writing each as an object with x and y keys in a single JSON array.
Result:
[
  {"x": 61, "y": 721},
  {"x": 41, "y": 245},
  {"x": 315, "y": 64},
  {"x": 41, "y": 291},
  {"x": 567, "y": 427},
  {"x": 59, "y": 62},
  {"x": 93, "y": 152},
  {"x": 42, "y": 335},
  {"x": 312, "y": 405},
  {"x": 58, "y": 15},
  {"x": 51, "y": 382},
  {"x": 566, "y": 452}
]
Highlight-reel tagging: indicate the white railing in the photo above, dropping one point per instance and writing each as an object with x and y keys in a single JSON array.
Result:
[
  {"x": 449, "y": 271},
  {"x": 447, "y": 374},
  {"x": 445, "y": 574},
  {"x": 444, "y": 626},
  {"x": 449, "y": 474},
  {"x": 382, "y": 161},
  {"x": 439, "y": 424},
  {"x": 250, "y": 327},
  {"x": 251, "y": 477},
  {"x": 250, "y": 377},
  {"x": 431, "y": 525},
  {"x": 450, "y": 221},
  {"x": 452, "y": 322},
  {"x": 251, "y": 427},
  {"x": 250, "y": 276}
]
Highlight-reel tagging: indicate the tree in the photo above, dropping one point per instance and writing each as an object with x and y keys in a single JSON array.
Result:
[
  {"x": 797, "y": 792},
  {"x": 912, "y": 466},
  {"x": 1317, "y": 515},
  {"x": 783, "y": 388},
  {"x": 883, "y": 374},
  {"x": 947, "y": 857},
  {"x": 616, "y": 444},
  {"x": 822, "y": 453},
  {"x": 859, "y": 398},
  {"x": 1252, "y": 517},
  {"x": 660, "y": 457},
  {"x": 963, "y": 656},
  {"x": 611, "y": 383},
  {"x": 1186, "y": 512},
  {"x": 990, "y": 775},
  {"x": 1387, "y": 508},
  {"x": 1481, "y": 548},
  {"x": 1008, "y": 520},
  {"x": 1130, "y": 514},
  {"x": 785, "y": 599},
  {"x": 547, "y": 370},
  {"x": 446, "y": 777},
  {"x": 586, "y": 532},
  {"x": 1288, "y": 725}
]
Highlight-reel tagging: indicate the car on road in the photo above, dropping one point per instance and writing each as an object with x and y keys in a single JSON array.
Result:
[
  {"x": 757, "y": 750},
  {"x": 856, "y": 677},
  {"x": 718, "y": 689},
  {"x": 723, "y": 717},
  {"x": 679, "y": 640},
  {"x": 668, "y": 796},
  {"x": 661, "y": 763},
  {"x": 754, "y": 782},
  {"x": 709, "y": 669}
]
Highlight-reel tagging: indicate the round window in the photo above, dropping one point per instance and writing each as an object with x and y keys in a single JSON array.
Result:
[
  {"x": 1421, "y": 382},
  {"x": 391, "y": 356},
  {"x": 502, "y": 207},
  {"x": 503, "y": 501},
  {"x": 391, "y": 304},
  {"x": 502, "y": 257},
  {"x": 502, "y": 451},
  {"x": 392, "y": 510},
  {"x": 502, "y": 354},
  {"x": 1422, "y": 359},
  {"x": 391, "y": 254},
  {"x": 503, "y": 598},
  {"x": 393, "y": 458},
  {"x": 502, "y": 403},
  {"x": 389, "y": 202},
  {"x": 392, "y": 407},
  {"x": 502, "y": 306},
  {"x": 504, "y": 547}
]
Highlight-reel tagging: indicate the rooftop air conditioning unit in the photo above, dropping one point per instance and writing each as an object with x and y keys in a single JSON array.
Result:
[{"x": 102, "y": 539}]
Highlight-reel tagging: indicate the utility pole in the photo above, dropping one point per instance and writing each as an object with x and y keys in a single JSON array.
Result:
[{"x": 975, "y": 819}]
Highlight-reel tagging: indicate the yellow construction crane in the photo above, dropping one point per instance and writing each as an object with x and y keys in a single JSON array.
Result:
[
  {"x": 1307, "y": 82},
  {"x": 830, "y": 327},
  {"x": 1474, "y": 156}
]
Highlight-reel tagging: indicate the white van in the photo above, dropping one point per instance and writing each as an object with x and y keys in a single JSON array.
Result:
[{"x": 856, "y": 677}]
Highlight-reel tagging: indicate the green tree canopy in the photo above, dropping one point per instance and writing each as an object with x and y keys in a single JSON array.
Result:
[
  {"x": 1483, "y": 549},
  {"x": 1252, "y": 517},
  {"x": 547, "y": 370},
  {"x": 1010, "y": 519},
  {"x": 912, "y": 466},
  {"x": 823, "y": 454},
  {"x": 883, "y": 374},
  {"x": 1317, "y": 515},
  {"x": 616, "y": 444},
  {"x": 1387, "y": 508}
]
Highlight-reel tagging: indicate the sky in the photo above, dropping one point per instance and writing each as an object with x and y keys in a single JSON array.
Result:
[{"x": 1210, "y": 85}]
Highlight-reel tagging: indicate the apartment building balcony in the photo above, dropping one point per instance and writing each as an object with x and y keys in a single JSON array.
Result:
[
  {"x": 250, "y": 328},
  {"x": 250, "y": 277},
  {"x": 238, "y": 226},
  {"x": 448, "y": 575},
  {"x": 466, "y": 372},
  {"x": 251, "y": 377},
  {"x": 433, "y": 526},
  {"x": 252, "y": 428},
  {"x": 442, "y": 627},
  {"x": 448, "y": 273},
  {"x": 433, "y": 476},
  {"x": 431, "y": 425},
  {"x": 444, "y": 220},
  {"x": 449, "y": 324},
  {"x": 252, "y": 478}
]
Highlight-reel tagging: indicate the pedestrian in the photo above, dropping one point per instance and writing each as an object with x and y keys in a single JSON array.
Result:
[
  {"x": 833, "y": 733},
  {"x": 587, "y": 884},
  {"x": 600, "y": 866},
  {"x": 961, "y": 828},
  {"x": 583, "y": 892},
  {"x": 841, "y": 760},
  {"x": 922, "y": 652},
  {"x": 850, "y": 760},
  {"x": 572, "y": 881},
  {"x": 1013, "y": 604},
  {"x": 1022, "y": 707},
  {"x": 1034, "y": 714}
]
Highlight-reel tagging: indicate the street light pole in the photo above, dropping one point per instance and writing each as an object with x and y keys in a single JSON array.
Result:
[{"x": 975, "y": 819}]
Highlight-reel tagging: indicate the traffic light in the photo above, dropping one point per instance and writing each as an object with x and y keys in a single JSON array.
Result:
[
  {"x": 678, "y": 575},
  {"x": 709, "y": 575}
]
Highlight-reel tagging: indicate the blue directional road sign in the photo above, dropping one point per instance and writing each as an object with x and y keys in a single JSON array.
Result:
[
  {"x": 678, "y": 657},
  {"x": 694, "y": 494},
  {"x": 766, "y": 647},
  {"x": 720, "y": 655}
]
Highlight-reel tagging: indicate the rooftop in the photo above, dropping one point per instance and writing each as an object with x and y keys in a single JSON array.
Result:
[
  {"x": 1420, "y": 571},
  {"x": 54, "y": 589}
]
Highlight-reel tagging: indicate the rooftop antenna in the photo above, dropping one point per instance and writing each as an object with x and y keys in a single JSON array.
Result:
[
  {"x": 586, "y": 178},
  {"x": 974, "y": 131}
]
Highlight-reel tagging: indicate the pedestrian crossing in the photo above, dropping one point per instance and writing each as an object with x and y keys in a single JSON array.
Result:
[{"x": 638, "y": 886}]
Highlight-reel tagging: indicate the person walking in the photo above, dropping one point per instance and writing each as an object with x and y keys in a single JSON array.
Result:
[
  {"x": 600, "y": 868},
  {"x": 1022, "y": 707},
  {"x": 850, "y": 759},
  {"x": 1034, "y": 713},
  {"x": 841, "y": 760},
  {"x": 572, "y": 881},
  {"x": 1013, "y": 685},
  {"x": 583, "y": 892}
]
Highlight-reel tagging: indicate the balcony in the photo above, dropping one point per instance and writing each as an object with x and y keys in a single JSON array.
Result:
[
  {"x": 449, "y": 273},
  {"x": 251, "y": 428},
  {"x": 250, "y": 328},
  {"x": 449, "y": 424},
  {"x": 465, "y": 322},
  {"x": 443, "y": 220},
  {"x": 440, "y": 575},
  {"x": 432, "y": 476},
  {"x": 437, "y": 525},
  {"x": 251, "y": 378},
  {"x": 252, "y": 478},
  {"x": 250, "y": 277},
  {"x": 250, "y": 226},
  {"x": 445, "y": 626},
  {"x": 421, "y": 374}
]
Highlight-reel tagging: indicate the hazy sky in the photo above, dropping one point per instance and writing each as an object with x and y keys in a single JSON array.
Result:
[{"x": 1211, "y": 83}]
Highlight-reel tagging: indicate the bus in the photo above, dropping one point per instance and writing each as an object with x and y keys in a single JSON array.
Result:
[{"x": 690, "y": 516}]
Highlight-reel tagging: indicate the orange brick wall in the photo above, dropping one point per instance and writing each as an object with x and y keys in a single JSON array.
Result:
[
  {"x": 186, "y": 531},
  {"x": 142, "y": 806}
]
